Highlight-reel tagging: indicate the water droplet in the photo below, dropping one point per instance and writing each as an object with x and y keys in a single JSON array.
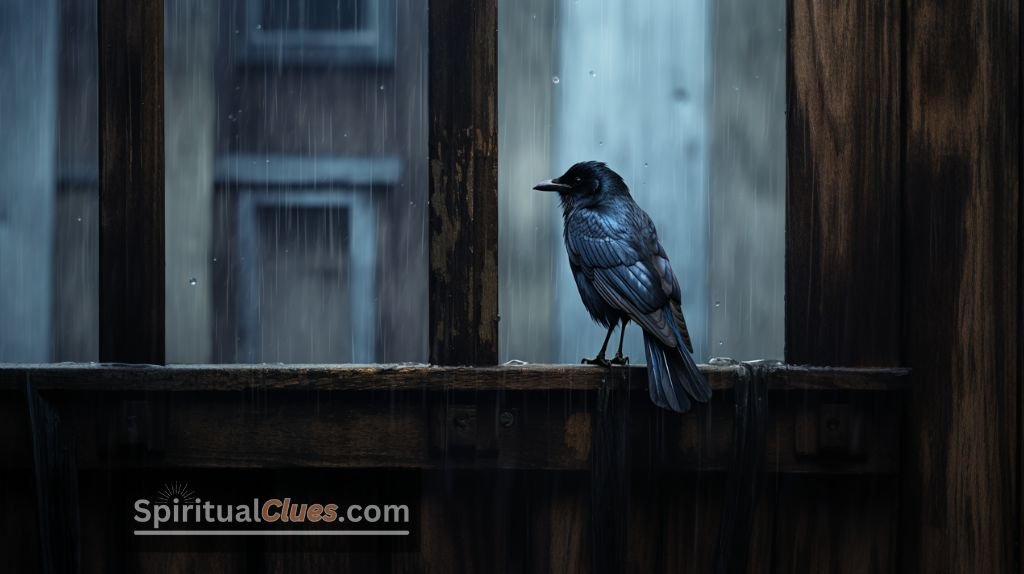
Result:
[
  {"x": 382, "y": 87},
  {"x": 192, "y": 281},
  {"x": 79, "y": 219},
  {"x": 718, "y": 303},
  {"x": 720, "y": 342},
  {"x": 593, "y": 74},
  {"x": 600, "y": 143},
  {"x": 555, "y": 80},
  {"x": 259, "y": 26},
  {"x": 345, "y": 135},
  {"x": 214, "y": 259},
  {"x": 645, "y": 164}
]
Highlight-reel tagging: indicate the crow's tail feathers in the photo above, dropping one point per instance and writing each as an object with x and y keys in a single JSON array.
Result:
[{"x": 673, "y": 377}]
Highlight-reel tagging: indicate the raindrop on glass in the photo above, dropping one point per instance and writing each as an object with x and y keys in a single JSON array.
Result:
[
  {"x": 593, "y": 74},
  {"x": 555, "y": 80},
  {"x": 718, "y": 303},
  {"x": 192, "y": 281},
  {"x": 645, "y": 164},
  {"x": 79, "y": 219},
  {"x": 382, "y": 87},
  {"x": 259, "y": 26}
]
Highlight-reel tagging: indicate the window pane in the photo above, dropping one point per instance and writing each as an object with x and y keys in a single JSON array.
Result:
[
  {"x": 49, "y": 199},
  {"x": 296, "y": 181},
  {"x": 686, "y": 101}
]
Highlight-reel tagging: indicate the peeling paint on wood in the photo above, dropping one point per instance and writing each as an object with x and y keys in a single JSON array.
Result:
[{"x": 463, "y": 217}]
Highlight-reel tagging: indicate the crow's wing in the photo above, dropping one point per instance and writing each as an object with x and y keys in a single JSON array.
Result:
[{"x": 620, "y": 253}]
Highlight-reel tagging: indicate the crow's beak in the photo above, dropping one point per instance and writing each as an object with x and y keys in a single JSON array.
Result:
[{"x": 552, "y": 185}]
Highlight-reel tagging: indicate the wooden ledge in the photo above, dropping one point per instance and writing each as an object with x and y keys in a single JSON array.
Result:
[{"x": 529, "y": 377}]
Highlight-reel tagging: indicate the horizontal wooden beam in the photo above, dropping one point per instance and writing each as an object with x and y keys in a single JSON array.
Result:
[
  {"x": 119, "y": 377},
  {"x": 523, "y": 417}
]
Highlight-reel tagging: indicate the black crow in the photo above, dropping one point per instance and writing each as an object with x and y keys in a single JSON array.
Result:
[{"x": 623, "y": 275}]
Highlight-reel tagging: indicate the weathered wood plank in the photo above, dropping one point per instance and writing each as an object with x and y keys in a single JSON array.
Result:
[
  {"x": 843, "y": 199},
  {"x": 542, "y": 430},
  {"x": 56, "y": 487},
  {"x": 609, "y": 479},
  {"x": 962, "y": 290},
  {"x": 107, "y": 377},
  {"x": 843, "y": 269},
  {"x": 836, "y": 524},
  {"x": 131, "y": 120},
  {"x": 463, "y": 219}
]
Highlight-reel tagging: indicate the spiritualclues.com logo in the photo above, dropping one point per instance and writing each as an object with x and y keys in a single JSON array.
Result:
[{"x": 177, "y": 510}]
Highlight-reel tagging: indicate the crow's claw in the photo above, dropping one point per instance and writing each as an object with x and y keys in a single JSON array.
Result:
[
  {"x": 599, "y": 360},
  {"x": 618, "y": 359}
]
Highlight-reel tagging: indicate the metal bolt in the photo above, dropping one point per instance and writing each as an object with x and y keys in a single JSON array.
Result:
[{"x": 507, "y": 419}]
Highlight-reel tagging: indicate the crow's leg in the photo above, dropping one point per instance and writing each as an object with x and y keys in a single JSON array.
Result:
[
  {"x": 619, "y": 359},
  {"x": 599, "y": 359}
]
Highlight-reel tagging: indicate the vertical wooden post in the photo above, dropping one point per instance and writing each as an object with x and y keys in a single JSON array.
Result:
[
  {"x": 463, "y": 218},
  {"x": 131, "y": 95},
  {"x": 843, "y": 266},
  {"x": 962, "y": 290},
  {"x": 843, "y": 188}
]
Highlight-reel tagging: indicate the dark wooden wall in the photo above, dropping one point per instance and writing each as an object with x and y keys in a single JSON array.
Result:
[
  {"x": 843, "y": 255},
  {"x": 962, "y": 289},
  {"x": 903, "y": 248}
]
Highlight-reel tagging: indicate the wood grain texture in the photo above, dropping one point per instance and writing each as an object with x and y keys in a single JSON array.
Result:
[
  {"x": 56, "y": 487},
  {"x": 962, "y": 294},
  {"x": 548, "y": 430},
  {"x": 131, "y": 95},
  {"x": 609, "y": 484},
  {"x": 843, "y": 198},
  {"x": 836, "y": 524},
  {"x": 207, "y": 378},
  {"x": 463, "y": 218}
]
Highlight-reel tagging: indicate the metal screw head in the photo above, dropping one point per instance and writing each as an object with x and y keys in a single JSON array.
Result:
[{"x": 507, "y": 419}]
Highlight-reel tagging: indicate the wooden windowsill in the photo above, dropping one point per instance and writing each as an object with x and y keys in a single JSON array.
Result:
[
  {"x": 540, "y": 417},
  {"x": 404, "y": 377}
]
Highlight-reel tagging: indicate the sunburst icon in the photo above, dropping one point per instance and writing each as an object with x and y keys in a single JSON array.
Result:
[{"x": 176, "y": 493}]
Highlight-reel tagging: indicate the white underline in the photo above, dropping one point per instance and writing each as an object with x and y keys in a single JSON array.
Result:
[{"x": 271, "y": 532}]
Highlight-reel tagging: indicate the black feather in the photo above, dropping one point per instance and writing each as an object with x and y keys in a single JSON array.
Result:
[{"x": 623, "y": 273}]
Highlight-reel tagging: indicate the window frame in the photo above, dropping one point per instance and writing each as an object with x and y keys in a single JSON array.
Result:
[{"x": 373, "y": 45}]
